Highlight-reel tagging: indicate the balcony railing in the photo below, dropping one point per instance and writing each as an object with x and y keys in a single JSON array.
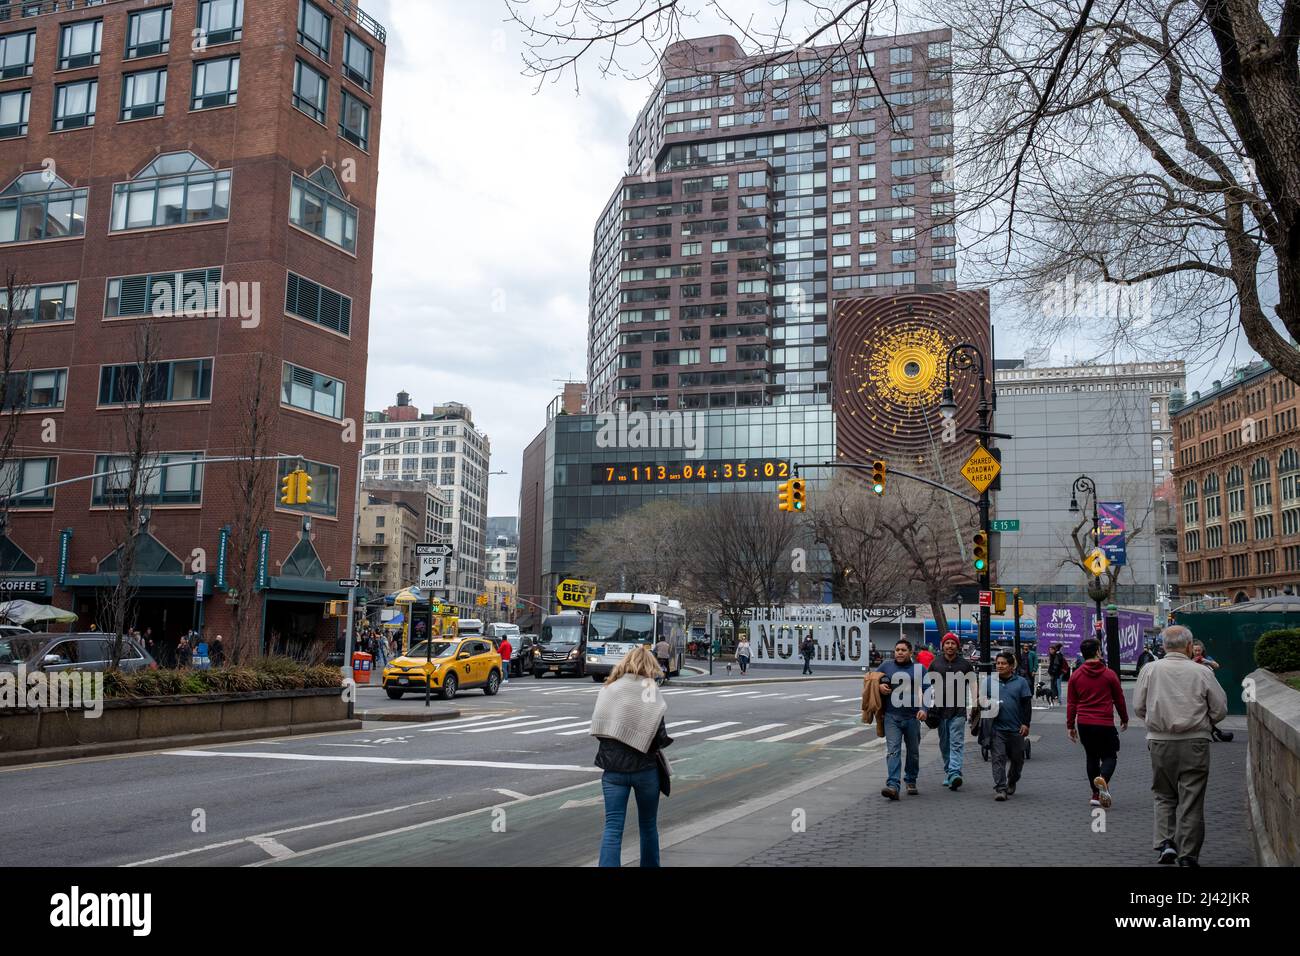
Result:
[{"x": 36, "y": 8}]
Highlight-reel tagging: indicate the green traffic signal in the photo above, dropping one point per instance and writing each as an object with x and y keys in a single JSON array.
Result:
[{"x": 979, "y": 564}]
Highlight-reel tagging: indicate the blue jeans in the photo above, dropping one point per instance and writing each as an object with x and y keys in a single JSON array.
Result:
[
  {"x": 617, "y": 787},
  {"x": 900, "y": 729},
  {"x": 952, "y": 744}
]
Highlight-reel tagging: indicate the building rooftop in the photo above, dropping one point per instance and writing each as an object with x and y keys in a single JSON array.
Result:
[{"x": 1242, "y": 376}]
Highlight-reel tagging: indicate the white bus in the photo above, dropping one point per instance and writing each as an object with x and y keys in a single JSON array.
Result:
[{"x": 618, "y": 622}]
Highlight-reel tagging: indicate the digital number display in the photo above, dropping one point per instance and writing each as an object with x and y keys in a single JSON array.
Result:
[{"x": 685, "y": 472}]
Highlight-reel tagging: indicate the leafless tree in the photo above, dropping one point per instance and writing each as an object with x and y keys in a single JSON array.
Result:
[
  {"x": 17, "y": 300},
  {"x": 644, "y": 550},
  {"x": 1139, "y": 513},
  {"x": 868, "y": 565}
]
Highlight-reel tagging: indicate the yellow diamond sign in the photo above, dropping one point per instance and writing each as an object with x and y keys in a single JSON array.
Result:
[
  {"x": 1097, "y": 562},
  {"x": 980, "y": 469}
]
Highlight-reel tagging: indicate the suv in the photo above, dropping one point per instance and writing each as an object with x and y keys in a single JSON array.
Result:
[{"x": 91, "y": 651}]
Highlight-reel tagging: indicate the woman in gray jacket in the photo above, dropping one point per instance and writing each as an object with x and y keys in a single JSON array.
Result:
[{"x": 629, "y": 722}]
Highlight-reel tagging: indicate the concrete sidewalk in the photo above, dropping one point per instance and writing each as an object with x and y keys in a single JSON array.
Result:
[{"x": 845, "y": 822}]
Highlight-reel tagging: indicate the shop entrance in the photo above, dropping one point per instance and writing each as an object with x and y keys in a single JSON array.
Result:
[{"x": 299, "y": 630}]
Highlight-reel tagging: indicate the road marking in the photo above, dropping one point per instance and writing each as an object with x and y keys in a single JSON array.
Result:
[
  {"x": 711, "y": 693},
  {"x": 512, "y": 794},
  {"x": 679, "y": 723},
  {"x": 743, "y": 693},
  {"x": 273, "y": 847},
  {"x": 589, "y": 802},
  {"x": 813, "y": 700},
  {"x": 667, "y": 692},
  {"x": 543, "y": 730},
  {"x": 840, "y": 736},
  {"x": 792, "y": 696},
  {"x": 705, "y": 730},
  {"x": 413, "y": 762},
  {"x": 792, "y": 733},
  {"x": 349, "y": 745},
  {"x": 761, "y": 696},
  {"x": 752, "y": 730},
  {"x": 459, "y": 722},
  {"x": 527, "y": 722},
  {"x": 845, "y": 700}
]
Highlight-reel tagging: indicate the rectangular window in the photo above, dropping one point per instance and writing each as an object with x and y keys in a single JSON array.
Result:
[
  {"x": 311, "y": 391},
  {"x": 148, "y": 32},
  {"x": 216, "y": 83},
  {"x": 196, "y": 292},
  {"x": 310, "y": 91},
  {"x": 74, "y": 104},
  {"x": 79, "y": 44},
  {"x": 38, "y": 389},
  {"x": 171, "y": 200},
  {"x": 144, "y": 94},
  {"x": 221, "y": 21},
  {"x": 165, "y": 479},
  {"x": 900, "y": 54},
  {"x": 324, "y": 487},
  {"x": 354, "y": 121},
  {"x": 315, "y": 303},
  {"x": 314, "y": 29},
  {"x": 323, "y": 214},
  {"x": 358, "y": 61},
  {"x": 15, "y": 112},
  {"x": 187, "y": 380},
  {"x": 17, "y": 54},
  {"x": 40, "y": 304},
  {"x": 27, "y": 473}
]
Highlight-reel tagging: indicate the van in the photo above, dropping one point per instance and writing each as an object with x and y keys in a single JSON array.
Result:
[{"x": 562, "y": 645}]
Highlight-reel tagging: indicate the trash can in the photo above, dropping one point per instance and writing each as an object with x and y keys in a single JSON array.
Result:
[{"x": 362, "y": 665}]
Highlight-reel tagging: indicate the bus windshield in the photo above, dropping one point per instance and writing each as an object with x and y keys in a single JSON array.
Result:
[{"x": 622, "y": 628}]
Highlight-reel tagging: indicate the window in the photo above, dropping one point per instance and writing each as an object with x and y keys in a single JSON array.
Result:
[
  {"x": 216, "y": 83},
  {"x": 187, "y": 380},
  {"x": 196, "y": 292},
  {"x": 79, "y": 44},
  {"x": 148, "y": 32},
  {"x": 167, "y": 478},
  {"x": 220, "y": 21},
  {"x": 310, "y": 91},
  {"x": 17, "y": 54},
  {"x": 74, "y": 104},
  {"x": 314, "y": 29},
  {"x": 176, "y": 189},
  {"x": 317, "y": 205},
  {"x": 324, "y": 487},
  {"x": 358, "y": 61},
  {"x": 311, "y": 391},
  {"x": 45, "y": 303},
  {"x": 900, "y": 54},
  {"x": 28, "y": 473},
  {"x": 315, "y": 303},
  {"x": 144, "y": 94},
  {"x": 41, "y": 388},
  {"x": 354, "y": 121},
  {"x": 718, "y": 354},
  {"x": 900, "y": 77},
  {"x": 32, "y": 209},
  {"x": 15, "y": 111}
]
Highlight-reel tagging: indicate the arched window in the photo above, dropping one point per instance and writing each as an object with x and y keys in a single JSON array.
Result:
[
  {"x": 40, "y": 205},
  {"x": 1260, "y": 470},
  {"x": 1189, "y": 491},
  {"x": 176, "y": 189},
  {"x": 1236, "y": 477},
  {"x": 1157, "y": 446},
  {"x": 317, "y": 204},
  {"x": 1289, "y": 462},
  {"x": 1211, "y": 485}
]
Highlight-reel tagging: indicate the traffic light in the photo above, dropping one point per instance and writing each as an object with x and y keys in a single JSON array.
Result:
[
  {"x": 304, "y": 487},
  {"x": 878, "y": 477},
  {"x": 999, "y": 601},
  {"x": 797, "y": 494},
  {"x": 783, "y": 499},
  {"x": 1020, "y": 607},
  {"x": 289, "y": 489},
  {"x": 981, "y": 549}
]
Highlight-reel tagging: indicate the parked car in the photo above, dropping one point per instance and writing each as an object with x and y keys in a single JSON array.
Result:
[
  {"x": 450, "y": 665},
  {"x": 91, "y": 651}
]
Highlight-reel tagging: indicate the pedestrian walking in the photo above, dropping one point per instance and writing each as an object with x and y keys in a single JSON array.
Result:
[
  {"x": 1011, "y": 702},
  {"x": 506, "y": 651},
  {"x": 1181, "y": 701},
  {"x": 952, "y": 702},
  {"x": 903, "y": 692},
  {"x": 629, "y": 722},
  {"x": 1056, "y": 666},
  {"x": 743, "y": 652},
  {"x": 664, "y": 655},
  {"x": 807, "y": 648},
  {"x": 1095, "y": 697},
  {"x": 183, "y": 653},
  {"x": 218, "y": 652}
]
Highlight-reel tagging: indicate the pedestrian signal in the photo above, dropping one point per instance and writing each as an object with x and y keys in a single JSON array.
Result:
[
  {"x": 878, "y": 477},
  {"x": 981, "y": 548},
  {"x": 797, "y": 494},
  {"x": 783, "y": 499}
]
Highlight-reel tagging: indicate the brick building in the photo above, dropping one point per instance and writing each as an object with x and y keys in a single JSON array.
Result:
[
  {"x": 200, "y": 176},
  {"x": 1237, "y": 474}
]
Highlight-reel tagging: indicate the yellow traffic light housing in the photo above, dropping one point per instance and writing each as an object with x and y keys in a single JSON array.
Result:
[
  {"x": 878, "y": 470},
  {"x": 783, "y": 497},
  {"x": 981, "y": 548},
  {"x": 289, "y": 489},
  {"x": 999, "y": 601},
  {"x": 797, "y": 494},
  {"x": 1020, "y": 607},
  {"x": 304, "y": 487}
]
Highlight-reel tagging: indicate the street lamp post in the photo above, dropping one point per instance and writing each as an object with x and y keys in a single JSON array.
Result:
[
  {"x": 965, "y": 356},
  {"x": 1086, "y": 485}
]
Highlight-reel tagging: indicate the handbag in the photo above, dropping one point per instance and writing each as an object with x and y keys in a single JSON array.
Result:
[{"x": 665, "y": 773}]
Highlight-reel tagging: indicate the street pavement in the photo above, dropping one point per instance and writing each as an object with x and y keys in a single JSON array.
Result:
[{"x": 764, "y": 774}]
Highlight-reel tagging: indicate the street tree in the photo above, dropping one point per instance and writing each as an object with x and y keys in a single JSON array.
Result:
[
  {"x": 16, "y": 304},
  {"x": 644, "y": 550},
  {"x": 1077, "y": 540},
  {"x": 868, "y": 564}
]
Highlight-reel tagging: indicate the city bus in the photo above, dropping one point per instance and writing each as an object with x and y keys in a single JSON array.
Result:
[{"x": 617, "y": 622}]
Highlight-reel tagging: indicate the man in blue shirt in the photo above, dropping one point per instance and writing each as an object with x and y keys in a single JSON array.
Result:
[
  {"x": 1011, "y": 707},
  {"x": 904, "y": 693}
]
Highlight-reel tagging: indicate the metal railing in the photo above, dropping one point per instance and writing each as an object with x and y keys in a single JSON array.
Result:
[{"x": 36, "y": 8}]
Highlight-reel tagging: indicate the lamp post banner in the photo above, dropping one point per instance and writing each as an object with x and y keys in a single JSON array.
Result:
[{"x": 1110, "y": 530}]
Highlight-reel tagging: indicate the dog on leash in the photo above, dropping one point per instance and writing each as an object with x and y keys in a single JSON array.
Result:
[{"x": 1044, "y": 692}]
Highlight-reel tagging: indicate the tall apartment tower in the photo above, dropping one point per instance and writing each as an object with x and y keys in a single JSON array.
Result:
[
  {"x": 759, "y": 191},
  {"x": 187, "y": 209}
]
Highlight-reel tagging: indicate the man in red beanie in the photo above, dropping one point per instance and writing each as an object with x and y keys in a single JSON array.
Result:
[
  {"x": 953, "y": 696},
  {"x": 1093, "y": 697}
]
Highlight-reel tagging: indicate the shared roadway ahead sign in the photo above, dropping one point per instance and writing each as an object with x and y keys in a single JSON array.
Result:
[{"x": 980, "y": 469}]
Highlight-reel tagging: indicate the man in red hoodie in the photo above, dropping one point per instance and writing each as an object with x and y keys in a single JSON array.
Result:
[{"x": 1092, "y": 698}]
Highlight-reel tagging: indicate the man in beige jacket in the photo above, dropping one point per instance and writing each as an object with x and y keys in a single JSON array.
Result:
[{"x": 1180, "y": 701}]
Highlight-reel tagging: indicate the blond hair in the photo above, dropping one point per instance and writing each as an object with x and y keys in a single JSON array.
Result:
[{"x": 638, "y": 662}]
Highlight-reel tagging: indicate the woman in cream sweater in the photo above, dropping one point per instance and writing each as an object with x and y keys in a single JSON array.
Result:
[{"x": 629, "y": 722}]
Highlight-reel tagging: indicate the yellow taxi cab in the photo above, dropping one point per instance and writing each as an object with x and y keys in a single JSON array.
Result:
[{"x": 452, "y": 664}]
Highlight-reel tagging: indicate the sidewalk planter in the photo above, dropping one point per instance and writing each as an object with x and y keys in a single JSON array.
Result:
[
  {"x": 1273, "y": 770},
  {"x": 36, "y": 735}
]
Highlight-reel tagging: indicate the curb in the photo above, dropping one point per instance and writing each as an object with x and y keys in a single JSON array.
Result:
[{"x": 415, "y": 717}]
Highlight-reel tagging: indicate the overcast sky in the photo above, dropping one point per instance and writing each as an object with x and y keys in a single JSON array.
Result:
[{"x": 488, "y": 194}]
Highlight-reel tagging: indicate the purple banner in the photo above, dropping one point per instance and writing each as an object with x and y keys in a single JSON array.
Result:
[
  {"x": 1070, "y": 624},
  {"x": 1110, "y": 529},
  {"x": 1132, "y": 634}
]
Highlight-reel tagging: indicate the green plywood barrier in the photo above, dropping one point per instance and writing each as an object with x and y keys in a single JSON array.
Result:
[{"x": 1229, "y": 635}]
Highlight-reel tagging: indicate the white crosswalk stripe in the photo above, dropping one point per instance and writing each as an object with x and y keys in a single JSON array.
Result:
[
  {"x": 744, "y": 733},
  {"x": 743, "y": 693},
  {"x": 833, "y": 737},
  {"x": 813, "y": 700},
  {"x": 513, "y": 726},
  {"x": 480, "y": 720},
  {"x": 547, "y": 730},
  {"x": 705, "y": 730},
  {"x": 793, "y": 733},
  {"x": 845, "y": 700},
  {"x": 679, "y": 723}
]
